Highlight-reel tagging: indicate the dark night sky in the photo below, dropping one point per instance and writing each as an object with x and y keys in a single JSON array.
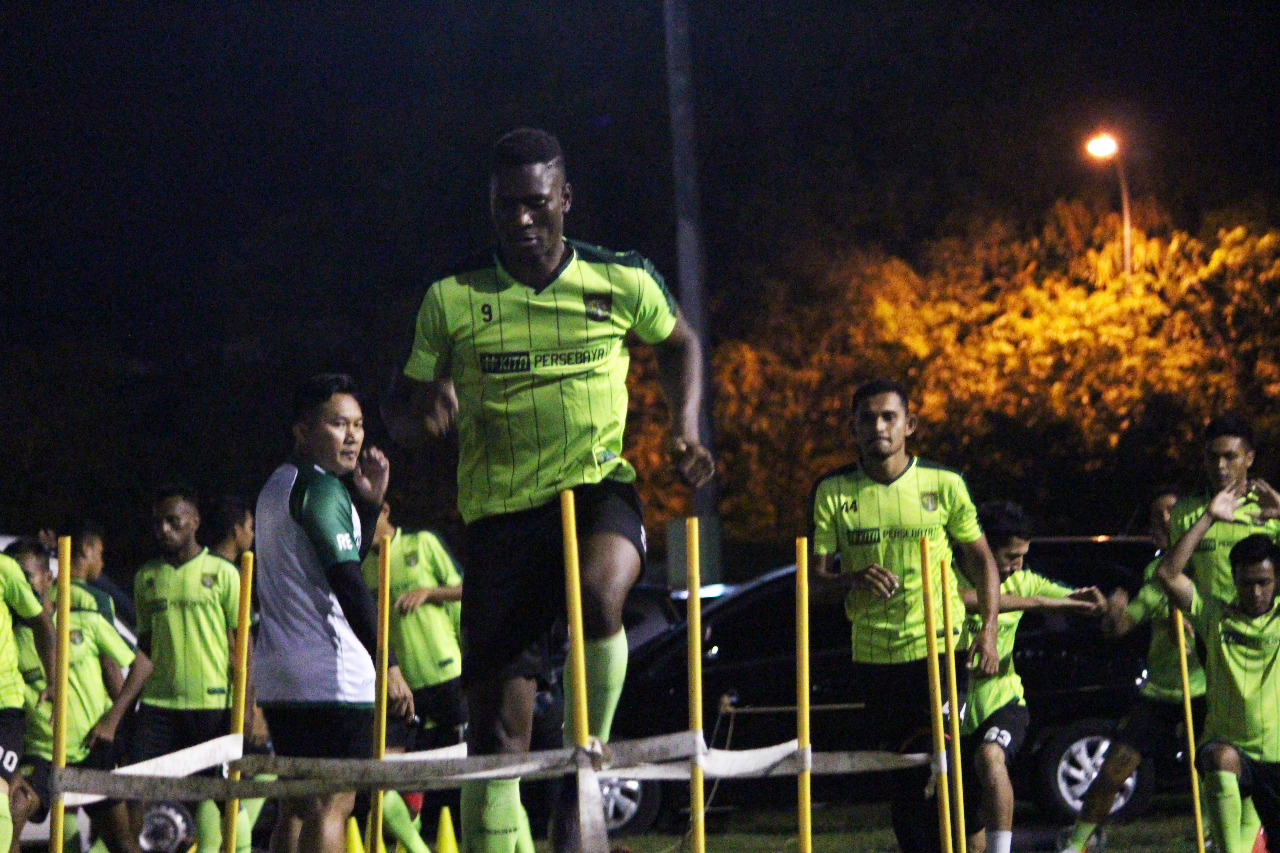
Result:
[{"x": 197, "y": 193}]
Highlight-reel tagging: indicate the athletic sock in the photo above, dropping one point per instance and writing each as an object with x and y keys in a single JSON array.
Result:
[
  {"x": 1080, "y": 835},
  {"x": 99, "y": 846},
  {"x": 6, "y": 824},
  {"x": 395, "y": 814},
  {"x": 1222, "y": 796},
  {"x": 524, "y": 837},
  {"x": 490, "y": 816},
  {"x": 999, "y": 840},
  {"x": 606, "y": 671},
  {"x": 1250, "y": 823},
  {"x": 208, "y": 827}
]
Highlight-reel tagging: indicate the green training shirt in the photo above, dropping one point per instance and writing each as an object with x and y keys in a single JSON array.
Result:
[
  {"x": 425, "y": 640},
  {"x": 21, "y": 601},
  {"x": 91, "y": 637},
  {"x": 866, "y": 522},
  {"x": 1209, "y": 566},
  {"x": 187, "y": 611},
  {"x": 1164, "y": 676},
  {"x": 1242, "y": 679},
  {"x": 540, "y": 374},
  {"x": 990, "y": 693}
]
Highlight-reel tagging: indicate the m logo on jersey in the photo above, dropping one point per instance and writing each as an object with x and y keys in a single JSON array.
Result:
[
  {"x": 77, "y": 638},
  {"x": 209, "y": 580},
  {"x": 929, "y": 500},
  {"x": 599, "y": 306}
]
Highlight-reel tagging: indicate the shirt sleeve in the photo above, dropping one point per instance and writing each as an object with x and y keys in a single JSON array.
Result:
[
  {"x": 325, "y": 515},
  {"x": 231, "y": 596},
  {"x": 110, "y": 642},
  {"x": 962, "y": 515},
  {"x": 1204, "y": 613},
  {"x": 142, "y": 602},
  {"x": 443, "y": 568},
  {"x": 18, "y": 594},
  {"x": 1049, "y": 589},
  {"x": 824, "y": 535},
  {"x": 1149, "y": 603},
  {"x": 655, "y": 314},
  {"x": 429, "y": 358}
]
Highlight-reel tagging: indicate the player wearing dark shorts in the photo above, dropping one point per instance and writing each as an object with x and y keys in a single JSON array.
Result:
[
  {"x": 872, "y": 515},
  {"x": 995, "y": 719},
  {"x": 525, "y": 349}
]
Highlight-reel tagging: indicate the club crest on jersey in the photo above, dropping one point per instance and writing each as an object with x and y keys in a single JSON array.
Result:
[
  {"x": 929, "y": 500},
  {"x": 77, "y": 638},
  {"x": 599, "y": 306},
  {"x": 209, "y": 580},
  {"x": 411, "y": 560}
]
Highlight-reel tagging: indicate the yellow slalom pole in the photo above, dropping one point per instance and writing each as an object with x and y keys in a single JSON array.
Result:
[
  {"x": 935, "y": 700},
  {"x": 373, "y": 831},
  {"x": 953, "y": 695},
  {"x": 804, "y": 779},
  {"x": 57, "y": 821},
  {"x": 239, "y": 688},
  {"x": 573, "y": 598},
  {"x": 1179, "y": 629},
  {"x": 697, "y": 815}
]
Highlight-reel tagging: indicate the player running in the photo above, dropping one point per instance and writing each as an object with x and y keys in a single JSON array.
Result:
[
  {"x": 872, "y": 514},
  {"x": 995, "y": 718},
  {"x": 93, "y": 716},
  {"x": 1239, "y": 753},
  {"x": 525, "y": 349}
]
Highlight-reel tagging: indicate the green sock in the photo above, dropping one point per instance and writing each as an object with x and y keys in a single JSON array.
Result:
[
  {"x": 6, "y": 824},
  {"x": 490, "y": 816},
  {"x": 99, "y": 846},
  {"x": 244, "y": 832},
  {"x": 208, "y": 827},
  {"x": 1081, "y": 834},
  {"x": 524, "y": 837},
  {"x": 1222, "y": 796},
  {"x": 395, "y": 814},
  {"x": 1250, "y": 823},
  {"x": 606, "y": 670}
]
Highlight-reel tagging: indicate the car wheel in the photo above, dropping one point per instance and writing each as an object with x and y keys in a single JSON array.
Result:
[
  {"x": 1070, "y": 760},
  {"x": 630, "y": 805}
]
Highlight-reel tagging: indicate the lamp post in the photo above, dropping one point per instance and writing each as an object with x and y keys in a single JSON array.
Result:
[{"x": 1104, "y": 147}]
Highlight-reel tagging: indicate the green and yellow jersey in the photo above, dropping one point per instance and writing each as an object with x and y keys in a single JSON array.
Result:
[
  {"x": 1164, "y": 675},
  {"x": 867, "y": 523},
  {"x": 91, "y": 637},
  {"x": 186, "y": 611},
  {"x": 1241, "y": 676},
  {"x": 540, "y": 374},
  {"x": 989, "y": 693},
  {"x": 1210, "y": 567},
  {"x": 425, "y": 639},
  {"x": 19, "y": 600}
]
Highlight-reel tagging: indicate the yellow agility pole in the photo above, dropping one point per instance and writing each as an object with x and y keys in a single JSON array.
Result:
[
  {"x": 373, "y": 830},
  {"x": 804, "y": 779},
  {"x": 573, "y": 599},
  {"x": 953, "y": 696},
  {"x": 239, "y": 688},
  {"x": 697, "y": 806},
  {"x": 1191, "y": 726},
  {"x": 58, "y": 816},
  {"x": 935, "y": 701}
]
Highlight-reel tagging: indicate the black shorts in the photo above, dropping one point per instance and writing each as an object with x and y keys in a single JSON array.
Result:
[
  {"x": 1006, "y": 727},
  {"x": 514, "y": 589},
  {"x": 1152, "y": 723},
  {"x": 443, "y": 705},
  {"x": 160, "y": 731},
  {"x": 897, "y": 697},
  {"x": 38, "y": 773},
  {"x": 321, "y": 731},
  {"x": 13, "y": 731},
  {"x": 1260, "y": 780}
]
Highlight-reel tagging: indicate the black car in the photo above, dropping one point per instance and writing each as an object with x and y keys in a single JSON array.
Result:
[{"x": 1078, "y": 685}]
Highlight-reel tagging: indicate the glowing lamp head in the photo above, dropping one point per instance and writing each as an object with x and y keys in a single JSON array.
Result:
[{"x": 1102, "y": 146}]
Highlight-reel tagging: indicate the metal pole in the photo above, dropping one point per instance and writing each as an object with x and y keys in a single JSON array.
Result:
[
  {"x": 1124, "y": 210},
  {"x": 697, "y": 815},
  {"x": 1191, "y": 726},
  {"x": 373, "y": 829},
  {"x": 239, "y": 687},
  {"x": 935, "y": 701},
  {"x": 804, "y": 779}
]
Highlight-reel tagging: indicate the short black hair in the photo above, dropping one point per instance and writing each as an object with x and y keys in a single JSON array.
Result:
[
  {"x": 81, "y": 529},
  {"x": 316, "y": 391},
  {"x": 1254, "y": 549},
  {"x": 26, "y": 546},
  {"x": 875, "y": 387},
  {"x": 185, "y": 491},
  {"x": 1232, "y": 424},
  {"x": 226, "y": 512},
  {"x": 524, "y": 146},
  {"x": 1002, "y": 521}
]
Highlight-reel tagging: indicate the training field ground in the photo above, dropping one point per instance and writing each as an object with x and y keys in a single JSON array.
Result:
[{"x": 1167, "y": 828}]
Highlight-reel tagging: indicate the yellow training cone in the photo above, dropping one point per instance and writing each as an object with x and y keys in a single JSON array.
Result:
[
  {"x": 446, "y": 842},
  {"x": 354, "y": 844}
]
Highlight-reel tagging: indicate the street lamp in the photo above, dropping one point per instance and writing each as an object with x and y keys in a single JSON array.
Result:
[{"x": 1104, "y": 147}]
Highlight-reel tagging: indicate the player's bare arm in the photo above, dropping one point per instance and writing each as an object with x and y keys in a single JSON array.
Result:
[
  {"x": 1172, "y": 568},
  {"x": 979, "y": 565},
  {"x": 372, "y": 476},
  {"x": 1116, "y": 622},
  {"x": 1088, "y": 600},
  {"x": 433, "y": 406},
  {"x": 680, "y": 373},
  {"x": 415, "y": 598},
  {"x": 42, "y": 632},
  {"x": 105, "y": 729}
]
